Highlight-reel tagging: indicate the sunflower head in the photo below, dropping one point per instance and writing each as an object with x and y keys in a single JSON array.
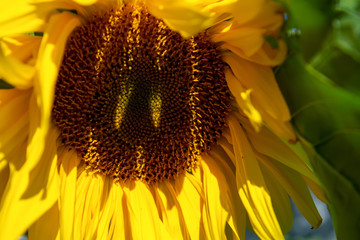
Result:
[
  {"x": 135, "y": 99},
  {"x": 147, "y": 118}
]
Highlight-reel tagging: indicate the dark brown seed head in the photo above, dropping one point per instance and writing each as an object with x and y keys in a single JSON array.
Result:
[{"x": 136, "y": 100}]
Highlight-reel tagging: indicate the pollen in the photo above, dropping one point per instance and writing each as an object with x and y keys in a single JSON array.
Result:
[{"x": 136, "y": 100}]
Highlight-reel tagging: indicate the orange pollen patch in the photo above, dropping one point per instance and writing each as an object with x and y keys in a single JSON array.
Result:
[{"x": 136, "y": 100}]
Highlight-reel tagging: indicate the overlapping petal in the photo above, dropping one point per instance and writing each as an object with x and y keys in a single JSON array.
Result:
[
  {"x": 214, "y": 212},
  {"x": 15, "y": 72},
  {"x": 30, "y": 192},
  {"x": 247, "y": 36},
  {"x": 297, "y": 189},
  {"x": 50, "y": 56},
  {"x": 47, "y": 226},
  {"x": 170, "y": 210},
  {"x": 190, "y": 196},
  {"x": 20, "y": 16},
  {"x": 280, "y": 200},
  {"x": 91, "y": 207},
  {"x": 186, "y": 17},
  {"x": 220, "y": 167},
  {"x": 143, "y": 214},
  {"x": 68, "y": 175},
  {"x": 14, "y": 128},
  {"x": 266, "y": 92},
  {"x": 17, "y": 59},
  {"x": 252, "y": 187},
  {"x": 243, "y": 99},
  {"x": 4, "y": 176}
]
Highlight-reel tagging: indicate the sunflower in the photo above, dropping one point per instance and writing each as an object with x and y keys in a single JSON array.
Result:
[{"x": 146, "y": 119}]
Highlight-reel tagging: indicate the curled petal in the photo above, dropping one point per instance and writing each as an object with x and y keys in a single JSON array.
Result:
[{"x": 185, "y": 17}]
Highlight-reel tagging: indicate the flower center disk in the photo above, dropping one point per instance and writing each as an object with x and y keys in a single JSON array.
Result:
[{"x": 136, "y": 100}]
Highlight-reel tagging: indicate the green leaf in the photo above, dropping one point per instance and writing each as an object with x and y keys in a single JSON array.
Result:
[
  {"x": 313, "y": 18},
  {"x": 321, "y": 83}
]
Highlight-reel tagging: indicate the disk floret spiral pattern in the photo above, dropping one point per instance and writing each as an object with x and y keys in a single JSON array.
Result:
[{"x": 136, "y": 100}]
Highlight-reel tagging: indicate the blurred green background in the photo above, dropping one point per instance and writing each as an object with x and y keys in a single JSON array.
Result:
[{"x": 321, "y": 83}]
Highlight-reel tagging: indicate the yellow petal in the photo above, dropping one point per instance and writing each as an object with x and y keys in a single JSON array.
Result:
[
  {"x": 107, "y": 210},
  {"x": 266, "y": 55},
  {"x": 83, "y": 190},
  {"x": 221, "y": 25},
  {"x": 246, "y": 36},
  {"x": 6, "y": 95},
  {"x": 189, "y": 198},
  {"x": 228, "y": 149},
  {"x": 22, "y": 46},
  {"x": 92, "y": 194},
  {"x": 18, "y": 16},
  {"x": 251, "y": 186},
  {"x": 283, "y": 129},
  {"x": 51, "y": 51},
  {"x": 316, "y": 188},
  {"x": 219, "y": 166},
  {"x": 280, "y": 200},
  {"x": 50, "y": 55},
  {"x": 92, "y": 208},
  {"x": 85, "y": 2},
  {"x": 261, "y": 79},
  {"x": 14, "y": 107},
  {"x": 16, "y": 158},
  {"x": 4, "y": 176},
  {"x": 47, "y": 226},
  {"x": 185, "y": 17},
  {"x": 119, "y": 225},
  {"x": 271, "y": 145},
  {"x": 214, "y": 212},
  {"x": 68, "y": 176},
  {"x": 23, "y": 16},
  {"x": 30, "y": 192},
  {"x": 14, "y": 138},
  {"x": 269, "y": 17},
  {"x": 17, "y": 58},
  {"x": 143, "y": 213},
  {"x": 242, "y": 11},
  {"x": 16, "y": 73},
  {"x": 13, "y": 127},
  {"x": 243, "y": 100},
  {"x": 247, "y": 40},
  {"x": 296, "y": 187},
  {"x": 172, "y": 215}
]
